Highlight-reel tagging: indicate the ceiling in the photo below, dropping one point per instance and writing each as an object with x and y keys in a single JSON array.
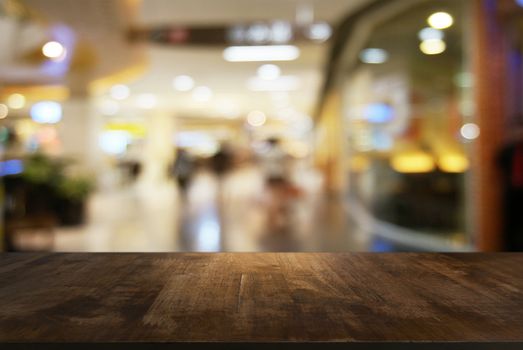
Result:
[
  {"x": 233, "y": 11},
  {"x": 228, "y": 80},
  {"x": 104, "y": 23}
]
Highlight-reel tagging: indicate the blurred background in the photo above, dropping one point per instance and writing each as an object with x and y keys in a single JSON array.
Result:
[{"x": 261, "y": 125}]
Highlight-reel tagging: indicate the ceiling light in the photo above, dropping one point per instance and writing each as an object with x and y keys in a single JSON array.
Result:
[
  {"x": 147, "y": 101},
  {"x": 120, "y": 92},
  {"x": 236, "y": 34},
  {"x": 470, "y": 131},
  {"x": 281, "y": 32},
  {"x": 202, "y": 94},
  {"x": 269, "y": 71},
  {"x": 16, "y": 101},
  {"x": 256, "y": 118},
  {"x": 53, "y": 49},
  {"x": 46, "y": 112},
  {"x": 374, "y": 56},
  {"x": 453, "y": 163},
  {"x": 258, "y": 33},
  {"x": 440, "y": 20},
  {"x": 432, "y": 46},
  {"x": 430, "y": 33},
  {"x": 261, "y": 53},
  {"x": 3, "y": 111},
  {"x": 320, "y": 31},
  {"x": 183, "y": 83},
  {"x": 283, "y": 83}
]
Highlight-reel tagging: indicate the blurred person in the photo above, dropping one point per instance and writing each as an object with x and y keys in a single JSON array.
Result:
[
  {"x": 183, "y": 169},
  {"x": 275, "y": 166},
  {"x": 274, "y": 163},
  {"x": 130, "y": 170},
  {"x": 222, "y": 161},
  {"x": 510, "y": 160}
]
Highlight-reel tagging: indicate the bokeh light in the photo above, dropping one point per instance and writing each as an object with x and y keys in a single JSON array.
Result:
[
  {"x": 183, "y": 83},
  {"x": 114, "y": 142},
  {"x": 261, "y": 53},
  {"x": 46, "y": 112},
  {"x": 120, "y": 92},
  {"x": 430, "y": 33},
  {"x": 440, "y": 20},
  {"x": 319, "y": 31},
  {"x": 256, "y": 118},
  {"x": 432, "y": 46},
  {"x": 53, "y": 50},
  {"x": 269, "y": 71},
  {"x": 470, "y": 131},
  {"x": 374, "y": 56},
  {"x": 16, "y": 101},
  {"x": 3, "y": 111}
]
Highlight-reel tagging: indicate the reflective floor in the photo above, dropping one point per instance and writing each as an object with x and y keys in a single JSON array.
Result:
[{"x": 234, "y": 213}]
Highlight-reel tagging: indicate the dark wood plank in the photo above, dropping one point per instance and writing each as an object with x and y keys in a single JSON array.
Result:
[{"x": 352, "y": 298}]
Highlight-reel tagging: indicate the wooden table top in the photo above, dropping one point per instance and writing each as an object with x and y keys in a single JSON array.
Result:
[{"x": 345, "y": 298}]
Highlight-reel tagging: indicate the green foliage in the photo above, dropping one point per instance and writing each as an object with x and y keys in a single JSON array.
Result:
[
  {"x": 40, "y": 169},
  {"x": 75, "y": 188}
]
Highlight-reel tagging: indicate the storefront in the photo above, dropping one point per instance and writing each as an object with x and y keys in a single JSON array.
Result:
[{"x": 408, "y": 78}]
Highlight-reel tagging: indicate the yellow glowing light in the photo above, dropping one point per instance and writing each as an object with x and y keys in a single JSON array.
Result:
[
  {"x": 413, "y": 162},
  {"x": 16, "y": 101},
  {"x": 3, "y": 111},
  {"x": 453, "y": 163},
  {"x": 440, "y": 20},
  {"x": 53, "y": 50},
  {"x": 432, "y": 46},
  {"x": 134, "y": 129}
]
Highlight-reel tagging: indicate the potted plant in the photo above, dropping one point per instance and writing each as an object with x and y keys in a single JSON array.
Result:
[
  {"x": 37, "y": 184},
  {"x": 72, "y": 193}
]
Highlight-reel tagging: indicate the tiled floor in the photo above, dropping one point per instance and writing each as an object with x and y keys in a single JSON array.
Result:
[{"x": 228, "y": 214}]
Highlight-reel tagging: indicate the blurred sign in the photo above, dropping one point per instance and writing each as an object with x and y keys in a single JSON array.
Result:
[
  {"x": 133, "y": 129},
  {"x": 257, "y": 33}
]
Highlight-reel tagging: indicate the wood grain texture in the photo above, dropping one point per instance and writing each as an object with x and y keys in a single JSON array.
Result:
[{"x": 261, "y": 297}]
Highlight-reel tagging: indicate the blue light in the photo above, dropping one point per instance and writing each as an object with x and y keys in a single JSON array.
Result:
[
  {"x": 378, "y": 113},
  {"x": 46, "y": 112},
  {"x": 519, "y": 2},
  {"x": 379, "y": 245},
  {"x": 11, "y": 167}
]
